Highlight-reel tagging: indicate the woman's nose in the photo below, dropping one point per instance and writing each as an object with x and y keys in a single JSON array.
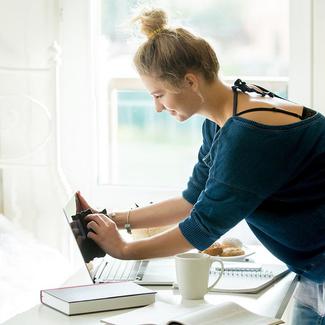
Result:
[{"x": 159, "y": 107}]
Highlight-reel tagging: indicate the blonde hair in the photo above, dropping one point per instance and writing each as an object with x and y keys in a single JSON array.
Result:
[{"x": 168, "y": 54}]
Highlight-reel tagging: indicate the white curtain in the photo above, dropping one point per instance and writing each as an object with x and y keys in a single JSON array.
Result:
[{"x": 33, "y": 186}]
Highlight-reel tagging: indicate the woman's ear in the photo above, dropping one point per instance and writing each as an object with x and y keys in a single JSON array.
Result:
[{"x": 192, "y": 81}]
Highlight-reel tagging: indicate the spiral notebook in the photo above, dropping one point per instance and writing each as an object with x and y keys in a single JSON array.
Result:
[{"x": 246, "y": 277}]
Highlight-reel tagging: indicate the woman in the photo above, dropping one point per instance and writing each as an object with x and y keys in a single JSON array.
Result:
[{"x": 262, "y": 159}]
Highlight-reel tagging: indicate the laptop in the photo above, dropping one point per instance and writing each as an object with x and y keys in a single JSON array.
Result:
[{"x": 105, "y": 268}]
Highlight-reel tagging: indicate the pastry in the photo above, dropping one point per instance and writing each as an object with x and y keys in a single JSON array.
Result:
[
  {"x": 232, "y": 251},
  {"x": 214, "y": 250},
  {"x": 228, "y": 247},
  {"x": 231, "y": 242}
]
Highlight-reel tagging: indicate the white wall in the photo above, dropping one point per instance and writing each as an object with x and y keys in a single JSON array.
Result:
[
  {"x": 27, "y": 30},
  {"x": 307, "y": 52}
]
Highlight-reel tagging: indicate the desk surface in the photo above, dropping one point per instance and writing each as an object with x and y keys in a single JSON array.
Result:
[{"x": 266, "y": 302}]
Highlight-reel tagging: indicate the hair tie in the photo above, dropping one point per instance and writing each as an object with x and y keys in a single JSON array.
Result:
[{"x": 155, "y": 32}]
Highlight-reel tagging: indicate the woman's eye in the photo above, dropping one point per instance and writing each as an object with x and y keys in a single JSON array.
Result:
[{"x": 158, "y": 96}]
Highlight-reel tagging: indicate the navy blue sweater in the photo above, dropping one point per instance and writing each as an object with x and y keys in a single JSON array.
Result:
[{"x": 272, "y": 176}]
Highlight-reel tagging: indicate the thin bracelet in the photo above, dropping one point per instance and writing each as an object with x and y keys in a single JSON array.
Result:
[{"x": 127, "y": 226}]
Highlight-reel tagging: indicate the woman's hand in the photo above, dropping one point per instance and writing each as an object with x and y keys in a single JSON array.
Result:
[
  {"x": 82, "y": 204},
  {"x": 105, "y": 234}
]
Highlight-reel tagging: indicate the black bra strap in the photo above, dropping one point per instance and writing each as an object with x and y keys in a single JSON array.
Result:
[
  {"x": 235, "y": 102},
  {"x": 270, "y": 109},
  {"x": 242, "y": 86}
]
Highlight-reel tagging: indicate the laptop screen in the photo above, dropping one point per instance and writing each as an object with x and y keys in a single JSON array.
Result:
[
  {"x": 88, "y": 248},
  {"x": 157, "y": 272}
]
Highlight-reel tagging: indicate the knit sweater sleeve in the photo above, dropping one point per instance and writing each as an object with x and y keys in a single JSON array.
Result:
[{"x": 247, "y": 165}]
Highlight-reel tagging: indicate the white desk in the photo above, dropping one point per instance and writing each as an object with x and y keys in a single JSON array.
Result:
[{"x": 267, "y": 302}]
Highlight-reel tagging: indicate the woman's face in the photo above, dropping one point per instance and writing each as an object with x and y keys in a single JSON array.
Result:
[{"x": 181, "y": 104}]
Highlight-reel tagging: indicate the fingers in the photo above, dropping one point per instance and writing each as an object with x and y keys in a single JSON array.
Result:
[
  {"x": 99, "y": 218},
  {"x": 99, "y": 224},
  {"x": 78, "y": 205},
  {"x": 92, "y": 236},
  {"x": 92, "y": 225},
  {"x": 105, "y": 234},
  {"x": 81, "y": 203}
]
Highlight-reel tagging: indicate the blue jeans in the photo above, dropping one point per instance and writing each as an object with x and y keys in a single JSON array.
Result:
[
  {"x": 309, "y": 303},
  {"x": 304, "y": 315}
]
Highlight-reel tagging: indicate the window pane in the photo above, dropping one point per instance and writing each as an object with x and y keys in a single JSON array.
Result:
[
  {"x": 153, "y": 149},
  {"x": 250, "y": 37}
]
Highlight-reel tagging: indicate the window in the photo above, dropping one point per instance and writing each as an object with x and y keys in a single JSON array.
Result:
[
  {"x": 152, "y": 143},
  {"x": 143, "y": 148}
]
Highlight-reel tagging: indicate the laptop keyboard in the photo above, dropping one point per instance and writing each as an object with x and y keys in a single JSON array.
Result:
[{"x": 117, "y": 270}]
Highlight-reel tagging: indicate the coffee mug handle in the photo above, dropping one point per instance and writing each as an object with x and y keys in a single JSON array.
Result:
[{"x": 220, "y": 274}]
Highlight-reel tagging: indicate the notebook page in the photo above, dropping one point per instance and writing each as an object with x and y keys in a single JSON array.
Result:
[
  {"x": 249, "y": 280},
  {"x": 246, "y": 278},
  {"x": 158, "y": 313},
  {"x": 161, "y": 313}
]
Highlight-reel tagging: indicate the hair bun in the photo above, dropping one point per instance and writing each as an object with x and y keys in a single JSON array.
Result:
[{"x": 152, "y": 21}]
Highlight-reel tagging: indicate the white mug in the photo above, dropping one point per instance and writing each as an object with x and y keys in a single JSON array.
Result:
[{"x": 192, "y": 273}]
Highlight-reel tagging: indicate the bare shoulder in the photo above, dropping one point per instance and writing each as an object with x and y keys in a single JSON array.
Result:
[{"x": 247, "y": 102}]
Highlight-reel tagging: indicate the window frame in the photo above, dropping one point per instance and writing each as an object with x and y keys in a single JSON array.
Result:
[
  {"x": 105, "y": 139},
  {"x": 108, "y": 147},
  {"x": 80, "y": 94}
]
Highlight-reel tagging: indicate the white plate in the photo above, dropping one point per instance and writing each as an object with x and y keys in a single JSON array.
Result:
[{"x": 248, "y": 252}]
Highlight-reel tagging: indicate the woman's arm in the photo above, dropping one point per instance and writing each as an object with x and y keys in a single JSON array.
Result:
[
  {"x": 168, "y": 243},
  {"x": 164, "y": 213},
  {"x": 106, "y": 235}
]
